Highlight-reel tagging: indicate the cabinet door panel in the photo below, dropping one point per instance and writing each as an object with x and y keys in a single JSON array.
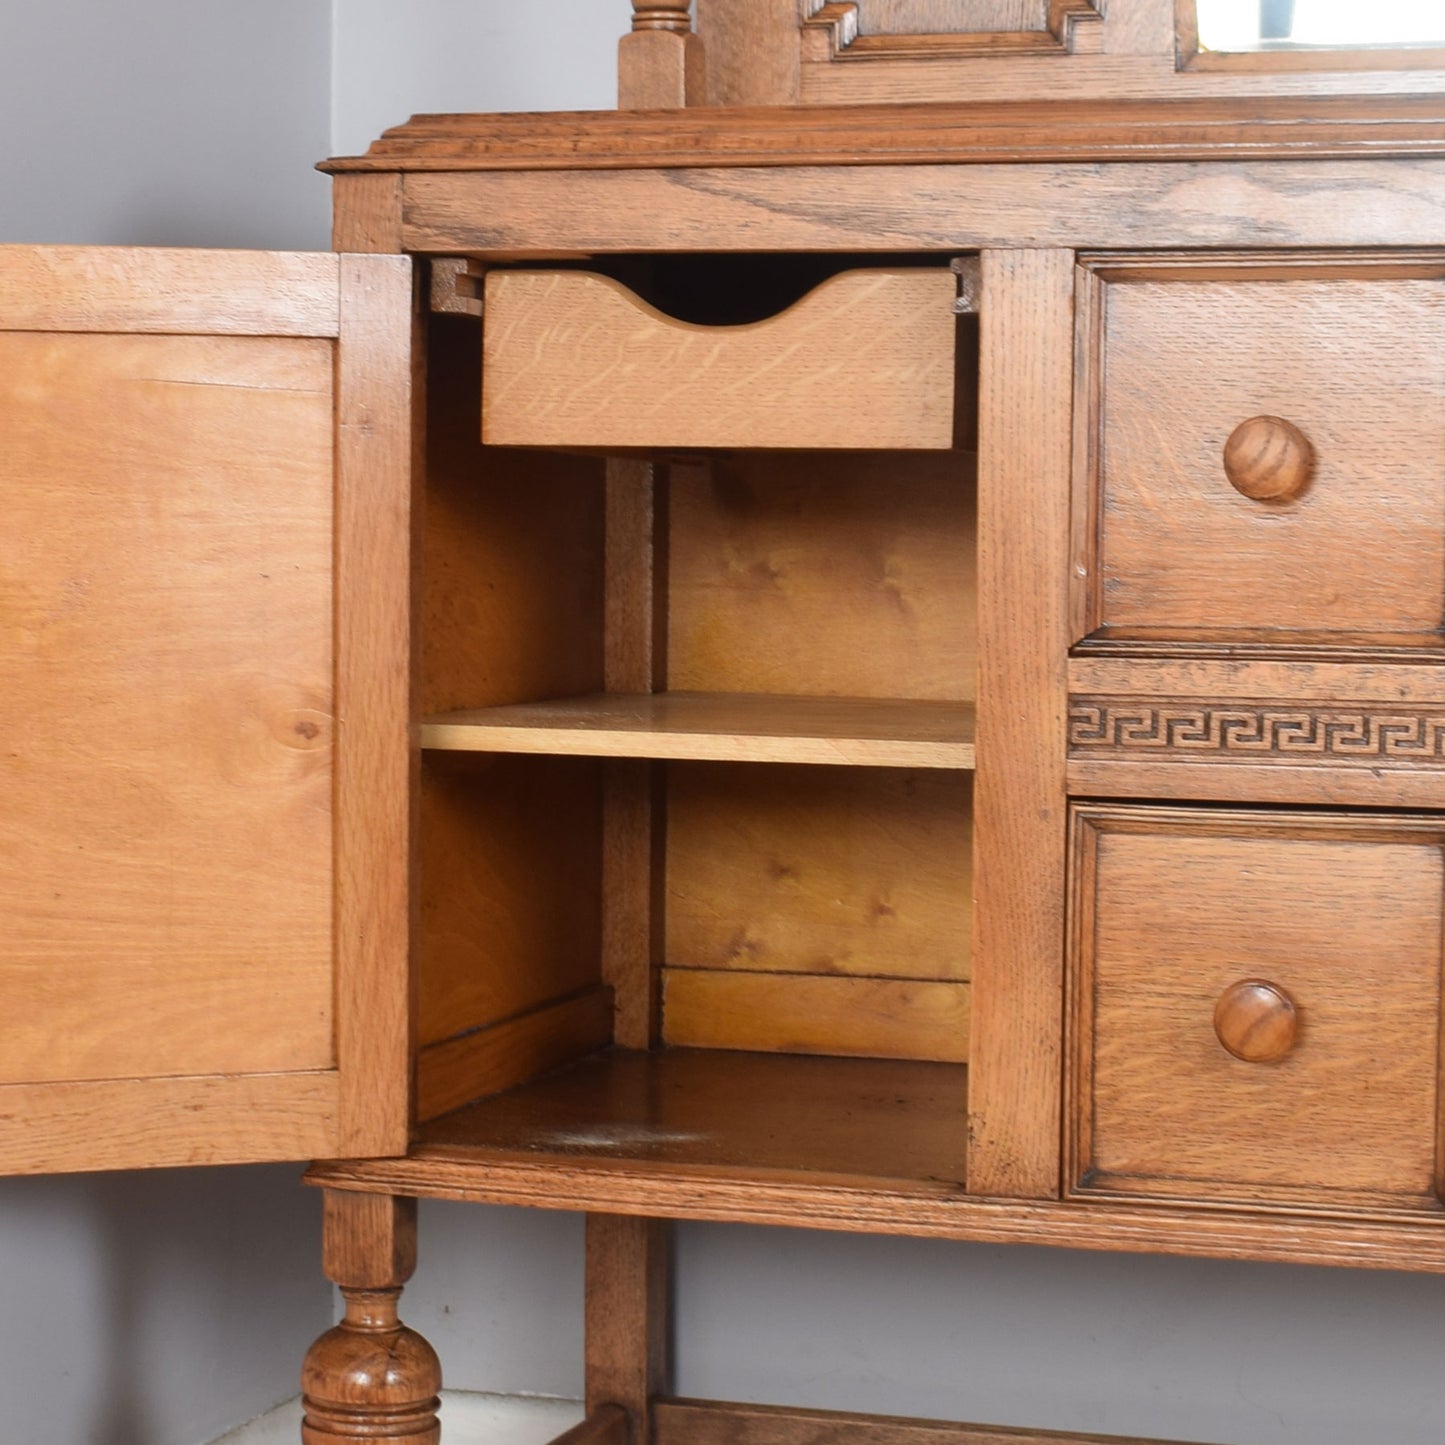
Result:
[{"x": 181, "y": 873}]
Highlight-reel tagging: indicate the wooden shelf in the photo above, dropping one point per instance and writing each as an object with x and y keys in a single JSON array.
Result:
[
  {"x": 736, "y": 1115},
  {"x": 719, "y": 727}
]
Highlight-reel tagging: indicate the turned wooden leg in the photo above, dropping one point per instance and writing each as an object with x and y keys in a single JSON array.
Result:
[{"x": 370, "y": 1378}]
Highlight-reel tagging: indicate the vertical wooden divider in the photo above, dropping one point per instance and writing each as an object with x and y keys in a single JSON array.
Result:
[
  {"x": 378, "y": 429},
  {"x": 633, "y": 661},
  {"x": 629, "y": 1326},
  {"x": 1025, "y": 443},
  {"x": 629, "y": 1316}
]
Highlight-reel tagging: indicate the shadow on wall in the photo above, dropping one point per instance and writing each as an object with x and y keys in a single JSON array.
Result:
[{"x": 155, "y": 1309}]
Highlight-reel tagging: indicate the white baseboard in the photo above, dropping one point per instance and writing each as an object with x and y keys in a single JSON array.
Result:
[{"x": 467, "y": 1419}]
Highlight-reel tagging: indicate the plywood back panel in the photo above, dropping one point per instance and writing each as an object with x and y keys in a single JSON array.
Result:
[
  {"x": 511, "y": 880},
  {"x": 778, "y": 877},
  {"x": 511, "y": 556},
  {"x": 824, "y": 574},
  {"x": 166, "y": 704}
]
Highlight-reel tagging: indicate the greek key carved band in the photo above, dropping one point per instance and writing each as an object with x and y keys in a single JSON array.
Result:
[{"x": 1263, "y": 732}]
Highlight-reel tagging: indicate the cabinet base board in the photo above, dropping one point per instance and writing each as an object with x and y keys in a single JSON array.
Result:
[{"x": 711, "y": 1422}]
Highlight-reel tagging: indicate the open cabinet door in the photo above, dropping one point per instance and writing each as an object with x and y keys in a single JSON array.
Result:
[{"x": 204, "y": 658}]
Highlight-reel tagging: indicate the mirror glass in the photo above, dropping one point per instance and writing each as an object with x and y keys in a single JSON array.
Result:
[{"x": 1326, "y": 24}]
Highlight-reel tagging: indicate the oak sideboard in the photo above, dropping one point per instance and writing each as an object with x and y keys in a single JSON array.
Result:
[{"x": 812, "y": 651}]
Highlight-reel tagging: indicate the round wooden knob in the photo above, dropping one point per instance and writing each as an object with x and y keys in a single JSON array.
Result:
[
  {"x": 1256, "y": 1021},
  {"x": 1268, "y": 459}
]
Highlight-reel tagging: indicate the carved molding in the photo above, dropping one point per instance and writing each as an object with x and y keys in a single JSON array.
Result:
[
  {"x": 831, "y": 32},
  {"x": 1152, "y": 729}
]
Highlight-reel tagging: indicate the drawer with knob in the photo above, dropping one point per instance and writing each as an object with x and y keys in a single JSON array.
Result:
[
  {"x": 1261, "y": 455},
  {"x": 1256, "y": 1007}
]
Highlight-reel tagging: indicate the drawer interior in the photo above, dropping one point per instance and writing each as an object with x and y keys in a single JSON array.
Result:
[
  {"x": 713, "y": 352},
  {"x": 696, "y": 793}
]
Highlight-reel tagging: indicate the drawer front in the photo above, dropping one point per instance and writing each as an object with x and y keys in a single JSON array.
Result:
[
  {"x": 1267, "y": 452},
  {"x": 866, "y": 360},
  {"x": 1256, "y": 1006}
]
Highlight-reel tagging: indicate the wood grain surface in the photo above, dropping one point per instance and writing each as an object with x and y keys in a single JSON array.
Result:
[
  {"x": 628, "y": 1318},
  {"x": 705, "y": 1422},
  {"x": 1184, "y": 128},
  {"x": 1354, "y": 363},
  {"x": 171, "y": 292},
  {"x": 832, "y": 575},
  {"x": 167, "y": 705},
  {"x": 1101, "y": 205},
  {"x": 719, "y": 727},
  {"x": 1025, "y": 447},
  {"x": 379, "y": 384},
  {"x": 574, "y": 359},
  {"x": 498, "y": 1056},
  {"x": 803, "y": 870},
  {"x": 1344, "y": 915},
  {"x": 744, "y": 1116},
  {"x": 501, "y": 881},
  {"x": 474, "y": 1170},
  {"x": 884, "y": 1018},
  {"x": 61, "y": 1128}
]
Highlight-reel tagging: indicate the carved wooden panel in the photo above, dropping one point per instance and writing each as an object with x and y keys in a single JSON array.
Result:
[{"x": 1264, "y": 732}]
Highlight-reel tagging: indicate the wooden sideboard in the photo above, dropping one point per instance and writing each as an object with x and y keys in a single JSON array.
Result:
[{"x": 870, "y": 667}]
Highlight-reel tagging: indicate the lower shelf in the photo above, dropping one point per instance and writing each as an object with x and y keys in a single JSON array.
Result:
[{"x": 734, "y": 1114}]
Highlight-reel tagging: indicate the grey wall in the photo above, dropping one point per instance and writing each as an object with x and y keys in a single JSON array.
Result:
[
  {"x": 165, "y": 122},
  {"x": 159, "y": 1309}
]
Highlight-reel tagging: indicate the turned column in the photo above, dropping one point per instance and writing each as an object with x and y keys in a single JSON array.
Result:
[
  {"x": 660, "y": 65},
  {"x": 370, "y": 1378}
]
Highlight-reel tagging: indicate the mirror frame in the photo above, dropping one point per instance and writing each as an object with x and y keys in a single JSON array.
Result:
[{"x": 1189, "y": 55}]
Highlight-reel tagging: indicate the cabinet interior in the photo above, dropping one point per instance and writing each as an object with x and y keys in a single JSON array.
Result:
[{"x": 696, "y": 795}]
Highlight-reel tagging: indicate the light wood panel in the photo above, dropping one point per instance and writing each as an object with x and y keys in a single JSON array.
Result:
[
  {"x": 167, "y": 705},
  {"x": 509, "y": 910},
  {"x": 1025, "y": 450},
  {"x": 803, "y": 870},
  {"x": 832, "y": 575},
  {"x": 181, "y": 1121},
  {"x": 497, "y": 1056},
  {"x": 1345, "y": 916},
  {"x": 721, "y": 727},
  {"x": 158, "y": 291},
  {"x": 574, "y": 359},
  {"x": 1353, "y": 363},
  {"x": 378, "y": 433},
  {"x": 782, "y": 1013},
  {"x": 930, "y": 206},
  {"x": 511, "y": 555},
  {"x": 512, "y": 602}
]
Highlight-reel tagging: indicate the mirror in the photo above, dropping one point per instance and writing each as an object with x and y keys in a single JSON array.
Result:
[{"x": 1241, "y": 25}]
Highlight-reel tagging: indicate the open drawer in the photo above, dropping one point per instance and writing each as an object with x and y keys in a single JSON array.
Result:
[{"x": 575, "y": 359}]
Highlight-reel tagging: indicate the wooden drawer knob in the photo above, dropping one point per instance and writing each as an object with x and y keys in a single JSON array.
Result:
[
  {"x": 1268, "y": 459},
  {"x": 1256, "y": 1021}
]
